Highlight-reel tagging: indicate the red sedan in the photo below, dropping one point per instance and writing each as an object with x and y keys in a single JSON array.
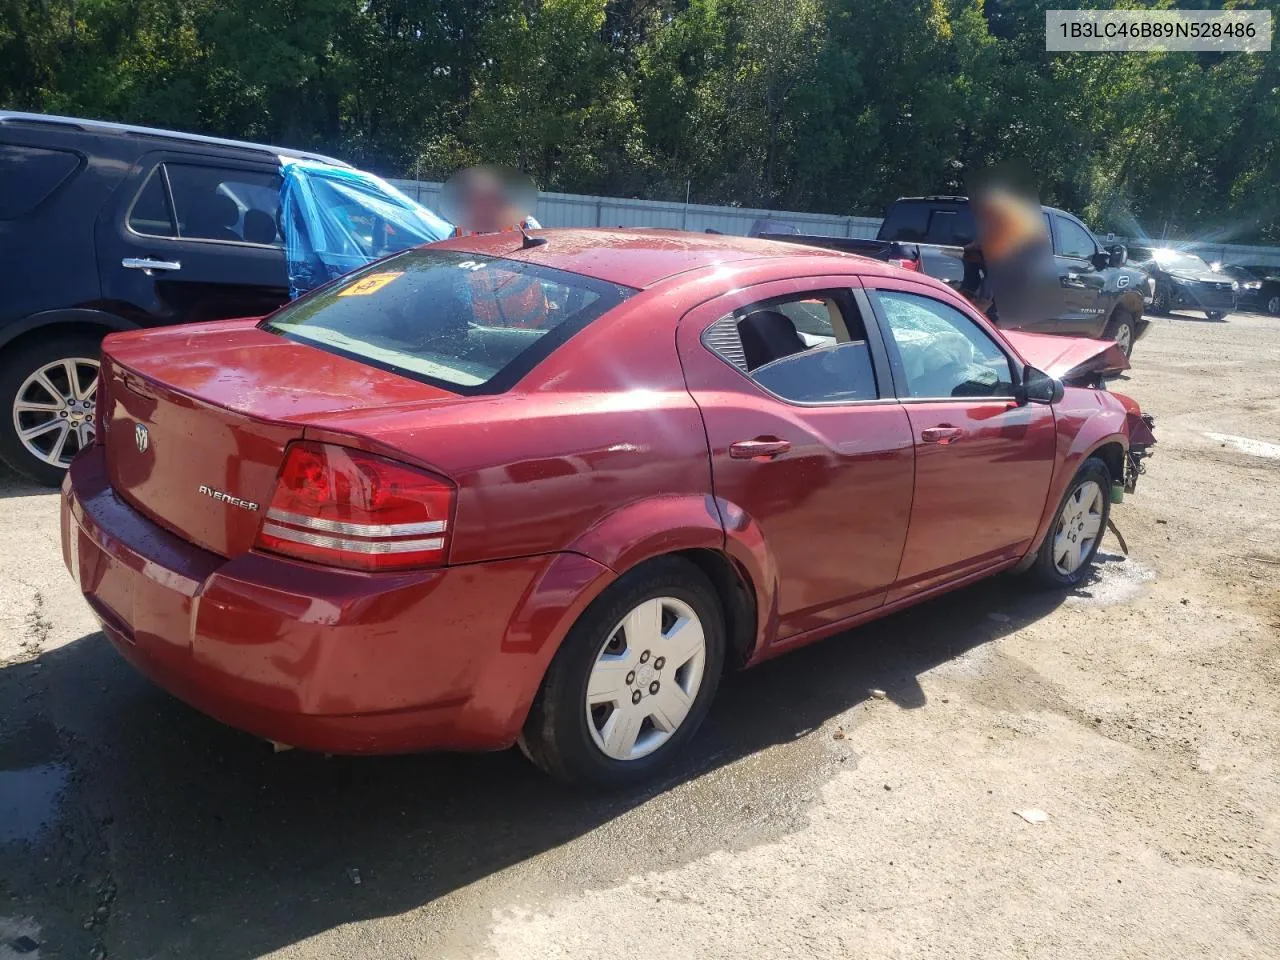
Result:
[{"x": 394, "y": 516}]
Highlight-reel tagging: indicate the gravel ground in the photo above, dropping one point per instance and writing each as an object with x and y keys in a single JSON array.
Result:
[{"x": 1141, "y": 714}]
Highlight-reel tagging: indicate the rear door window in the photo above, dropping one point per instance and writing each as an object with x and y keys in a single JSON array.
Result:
[
  {"x": 151, "y": 214},
  {"x": 30, "y": 175},
  {"x": 199, "y": 202},
  {"x": 468, "y": 323},
  {"x": 810, "y": 349}
]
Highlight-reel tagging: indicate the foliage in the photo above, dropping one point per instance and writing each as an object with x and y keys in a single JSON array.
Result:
[{"x": 829, "y": 105}]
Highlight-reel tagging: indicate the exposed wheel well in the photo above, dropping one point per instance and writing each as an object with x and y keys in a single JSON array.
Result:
[
  {"x": 738, "y": 598},
  {"x": 57, "y": 329},
  {"x": 1112, "y": 454}
]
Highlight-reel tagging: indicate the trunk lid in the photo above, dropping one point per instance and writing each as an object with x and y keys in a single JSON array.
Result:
[
  {"x": 196, "y": 419},
  {"x": 1076, "y": 361}
]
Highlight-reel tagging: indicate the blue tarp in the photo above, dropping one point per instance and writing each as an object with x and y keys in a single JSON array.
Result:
[{"x": 335, "y": 219}]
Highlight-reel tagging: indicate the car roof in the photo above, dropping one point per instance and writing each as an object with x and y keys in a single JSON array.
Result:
[
  {"x": 642, "y": 258},
  {"x": 128, "y": 129}
]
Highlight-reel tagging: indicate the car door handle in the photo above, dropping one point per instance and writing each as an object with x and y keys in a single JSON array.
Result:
[
  {"x": 760, "y": 447},
  {"x": 147, "y": 265},
  {"x": 944, "y": 434}
]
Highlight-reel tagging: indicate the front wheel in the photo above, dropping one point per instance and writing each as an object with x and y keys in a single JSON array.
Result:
[
  {"x": 1215, "y": 315},
  {"x": 633, "y": 679},
  {"x": 1069, "y": 548},
  {"x": 48, "y": 391},
  {"x": 1162, "y": 302},
  {"x": 1122, "y": 332},
  {"x": 1273, "y": 305}
]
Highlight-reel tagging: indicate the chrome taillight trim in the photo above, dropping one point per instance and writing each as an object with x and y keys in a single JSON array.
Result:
[
  {"x": 357, "y": 529},
  {"x": 353, "y": 546}
]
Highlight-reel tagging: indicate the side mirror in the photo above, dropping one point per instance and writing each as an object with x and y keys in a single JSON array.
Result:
[
  {"x": 1119, "y": 256},
  {"x": 1039, "y": 387}
]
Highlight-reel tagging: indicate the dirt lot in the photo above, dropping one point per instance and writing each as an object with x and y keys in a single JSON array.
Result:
[{"x": 1141, "y": 714}]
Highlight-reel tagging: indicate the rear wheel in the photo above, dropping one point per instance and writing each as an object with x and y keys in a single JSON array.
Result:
[
  {"x": 1215, "y": 314},
  {"x": 633, "y": 679},
  {"x": 1078, "y": 527},
  {"x": 48, "y": 391}
]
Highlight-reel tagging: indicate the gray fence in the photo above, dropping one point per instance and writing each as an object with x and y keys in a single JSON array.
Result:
[{"x": 573, "y": 210}]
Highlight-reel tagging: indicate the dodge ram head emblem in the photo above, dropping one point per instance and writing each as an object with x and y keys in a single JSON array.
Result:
[{"x": 141, "y": 437}]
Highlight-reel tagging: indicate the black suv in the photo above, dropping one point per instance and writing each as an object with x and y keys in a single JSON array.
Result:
[{"x": 109, "y": 227}]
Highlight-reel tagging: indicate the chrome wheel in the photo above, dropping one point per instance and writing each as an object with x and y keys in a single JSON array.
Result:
[
  {"x": 645, "y": 678},
  {"x": 1078, "y": 528},
  {"x": 1273, "y": 305},
  {"x": 53, "y": 410}
]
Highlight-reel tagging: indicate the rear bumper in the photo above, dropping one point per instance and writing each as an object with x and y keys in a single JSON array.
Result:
[{"x": 328, "y": 660}]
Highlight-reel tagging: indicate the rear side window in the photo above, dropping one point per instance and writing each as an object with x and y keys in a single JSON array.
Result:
[
  {"x": 808, "y": 349},
  {"x": 30, "y": 175},
  {"x": 197, "y": 202},
  {"x": 467, "y": 323}
]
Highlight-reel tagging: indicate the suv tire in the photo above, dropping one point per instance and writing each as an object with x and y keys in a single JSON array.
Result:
[{"x": 29, "y": 401}]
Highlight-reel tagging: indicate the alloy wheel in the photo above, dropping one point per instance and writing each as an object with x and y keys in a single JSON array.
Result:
[
  {"x": 1078, "y": 528},
  {"x": 53, "y": 409},
  {"x": 645, "y": 678},
  {"x": 1273, "y": 305}
]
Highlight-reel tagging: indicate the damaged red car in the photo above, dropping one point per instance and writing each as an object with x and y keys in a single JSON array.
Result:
[{"x": 546, "y": 490}]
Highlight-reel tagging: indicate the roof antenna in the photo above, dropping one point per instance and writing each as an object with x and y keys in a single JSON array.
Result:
[{"x": 529, "y": 242}]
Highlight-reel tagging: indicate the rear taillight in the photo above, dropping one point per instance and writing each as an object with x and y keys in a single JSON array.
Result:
[
  {"x": 905, "y": 264},
  {"x": 347, "y": 508}
]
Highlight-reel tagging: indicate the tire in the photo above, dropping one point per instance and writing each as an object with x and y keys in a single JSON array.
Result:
[
  {"x": 1047, "y": 567},
  {"x": 1161, "y": 302},
  {"x": 1273, "y": 305},
  {"x": 569, "y": 739},
  {"x": 59, "y": 355},
  {"x": 1123, "y": 331},
  {"x": 1215, "y": 315}
]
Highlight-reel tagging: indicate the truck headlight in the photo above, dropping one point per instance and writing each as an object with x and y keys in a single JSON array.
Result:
[{"x": 1235, "y": 284}]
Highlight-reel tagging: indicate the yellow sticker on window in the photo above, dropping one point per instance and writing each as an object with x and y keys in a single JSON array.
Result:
[{"x": 370, "y": 283}]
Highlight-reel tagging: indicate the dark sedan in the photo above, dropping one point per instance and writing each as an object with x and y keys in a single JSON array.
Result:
[
  {"x": 1184, "y": 281},
  {"x": 1259, "y": 286}
]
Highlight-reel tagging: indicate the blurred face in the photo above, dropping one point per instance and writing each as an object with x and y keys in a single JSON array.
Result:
[{"x": 485, "y": 205}]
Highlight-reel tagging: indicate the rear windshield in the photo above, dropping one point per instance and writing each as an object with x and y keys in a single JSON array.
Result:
[
  {"x": 946, "y": 224},
  {"x": 468, "y": 323}
]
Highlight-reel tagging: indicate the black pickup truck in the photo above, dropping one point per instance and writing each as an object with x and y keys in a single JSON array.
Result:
[{"x": 1098, "y": 296}]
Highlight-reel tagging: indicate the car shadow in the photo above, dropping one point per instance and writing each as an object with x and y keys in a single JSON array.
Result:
[
  {"x": 192, "y": 839},
  {"x": 1196, "y": 319},
  {"x": 15, "y": 485}
]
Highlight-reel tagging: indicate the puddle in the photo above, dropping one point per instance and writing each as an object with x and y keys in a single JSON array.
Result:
[
  {"x": 32, "y": 778},
  {"x": 29, "y": 800},
  {"x": 1115, "y": 579},
  {"x": 1254, "y": 448}
]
